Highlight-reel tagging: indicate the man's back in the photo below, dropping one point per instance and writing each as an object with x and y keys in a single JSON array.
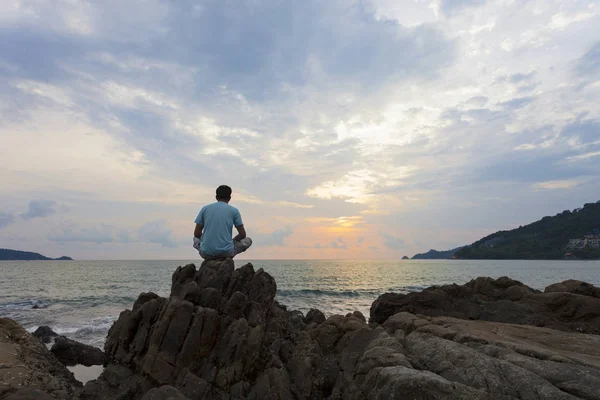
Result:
[{"x": 218, "y": 220}]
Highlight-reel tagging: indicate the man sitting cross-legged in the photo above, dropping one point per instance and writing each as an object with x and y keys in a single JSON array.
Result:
[{"x": 214, "y": 227}]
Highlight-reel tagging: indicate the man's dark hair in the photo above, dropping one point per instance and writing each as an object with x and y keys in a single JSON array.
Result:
[{"x": 224, "y": 192}]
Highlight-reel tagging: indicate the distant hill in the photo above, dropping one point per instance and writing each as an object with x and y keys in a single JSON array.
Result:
[
  {"x": 436, "y": 255},
  {"x": 7, "y": 254},
  {"x": 545, "y": 239}
]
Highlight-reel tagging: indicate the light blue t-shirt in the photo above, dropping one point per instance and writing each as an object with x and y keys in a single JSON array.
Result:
[{"x": 218, "y": 220}]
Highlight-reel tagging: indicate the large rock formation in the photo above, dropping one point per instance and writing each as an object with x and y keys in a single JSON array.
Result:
[
  {"x": 569, "y": 306},
  {"x": 28, "y": 370},
  {"x": 221, "y": 335}
]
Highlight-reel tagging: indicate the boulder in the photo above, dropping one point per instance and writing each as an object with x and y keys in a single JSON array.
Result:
[
  {"x": 69, "y": 352},
  {"x": 28, "y": 370},
  {"x": 45, "y": 334},
  {"x": 574, "y": 286},
  {"x": 164, "y": 393},
  {"x": 28, "y": 394},
  {"x": 314, "y": 316},
  {"x": 569, "y": 306}
]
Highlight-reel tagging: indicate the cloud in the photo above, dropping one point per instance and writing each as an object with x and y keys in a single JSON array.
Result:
[
  {"x": 453, "y": 6},
  {"x": 157, "y": 232},
  {"x": 561, "y": 20},
  {"x": 295, "y": 205},
  {"x": 517, "y": 103},
  {"x": 6, "y": 219},
  {"x": 340, "y": 243},
  {"x": 124, "y": 236},
  {"x": 552, "y": 185},
  {"x": 39, "y": 209},
  {"x": 589, "y": 64},
  {"x": 584, "y": 156},
  {"x": 97, "y": 234},
  {"x": 584, "y": 131},
  {"x": 477, "y": 101},
  {"x": 523, "y": 82},
  {"x": 275, "y": 238},
  {"x": 392, "y": 242}
]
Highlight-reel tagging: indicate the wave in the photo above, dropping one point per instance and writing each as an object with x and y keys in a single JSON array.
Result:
[
  {"x": 24, "y": 305},
  {"x": 91, "y": 301},
  {"x": 408, "y": 289},
  {"x": 332, "y": 293},
  {"x": 91, "y": 332}
]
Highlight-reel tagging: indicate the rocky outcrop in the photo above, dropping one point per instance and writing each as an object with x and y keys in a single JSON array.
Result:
[
  {"x": 220, "y": 335},
  {"x": 568, "y": 306},
  {"x": 28, "y": 370},
  {"x": 509, "y": 361},
  {"x": 70, "y": 353},
  {"x": 164, "y": 393},
  {"x": 574, "y": 286},
  {"x": 45, "y": 334}
]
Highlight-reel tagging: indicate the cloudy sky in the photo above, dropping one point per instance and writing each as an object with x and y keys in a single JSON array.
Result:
[{"x": 347, "y": 129}]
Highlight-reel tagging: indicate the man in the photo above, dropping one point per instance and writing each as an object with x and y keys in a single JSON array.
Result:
[{"x": 214, "y": 226}]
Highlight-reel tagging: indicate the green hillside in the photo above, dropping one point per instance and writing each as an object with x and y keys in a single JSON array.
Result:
[
  {"x": 544, "y": 239},
  {"x": 436, "y": 255},
  {"x": 8, "y": 254}
]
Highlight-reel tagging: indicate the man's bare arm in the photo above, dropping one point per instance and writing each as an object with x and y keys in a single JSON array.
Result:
[
  {"x": 198, "y": 231},
  {"x": 241, "y": 233}
]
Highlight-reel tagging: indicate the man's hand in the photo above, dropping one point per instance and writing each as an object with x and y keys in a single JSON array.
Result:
[
  {"x": 197, "y": 243},
  {"x": 198, "y": 236}
]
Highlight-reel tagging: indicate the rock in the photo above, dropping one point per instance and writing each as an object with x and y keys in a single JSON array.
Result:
[
  {"x": 143, "y": 299},
  {"x": 221, "y": 335},
  {"x": 28, "y": 394},
  {"x": 69, "y": 352},
  {"x": 45, "y": 334},
  {"x": 164, "y": 393},
  {"x": 574, "y": 286},
  {"x": 262, "y": 289},
  {"x": 181, "y": 277},
  {"x": 314, "y": 316},
  {"x": 569, "y": 306},
  {"x": 28, "y": 370},
  {"x": 413, "y": 384}
]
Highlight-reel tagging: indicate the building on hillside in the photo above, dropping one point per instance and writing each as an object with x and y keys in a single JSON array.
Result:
[
  {"x": 591, "y": 241},
  {"x": 576, "y": 244}
]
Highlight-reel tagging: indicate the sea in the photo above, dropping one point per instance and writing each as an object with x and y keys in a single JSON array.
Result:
[{"x": 81, "y": 299}]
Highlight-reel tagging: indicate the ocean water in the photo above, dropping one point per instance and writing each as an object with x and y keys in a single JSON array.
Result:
[{"x": 81, "y": 299}]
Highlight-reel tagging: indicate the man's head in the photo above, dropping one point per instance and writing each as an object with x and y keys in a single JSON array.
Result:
[{"x": 224, "y": 193}]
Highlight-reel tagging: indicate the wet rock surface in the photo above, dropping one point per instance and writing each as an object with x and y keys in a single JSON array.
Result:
[
  {"x": 45, "y": 334},
  {"x": 70, "y": 353},
  {"x": 568, "y": 306},
  {"x": 27, "y": 368},
  {"x": 220, "y": 335}
]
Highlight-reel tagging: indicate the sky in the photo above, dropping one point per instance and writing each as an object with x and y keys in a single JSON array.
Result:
[{"x": 347, "y": 129}]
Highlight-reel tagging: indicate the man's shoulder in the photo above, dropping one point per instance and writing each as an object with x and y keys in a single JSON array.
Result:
[{"x": 221, "y": 206}]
